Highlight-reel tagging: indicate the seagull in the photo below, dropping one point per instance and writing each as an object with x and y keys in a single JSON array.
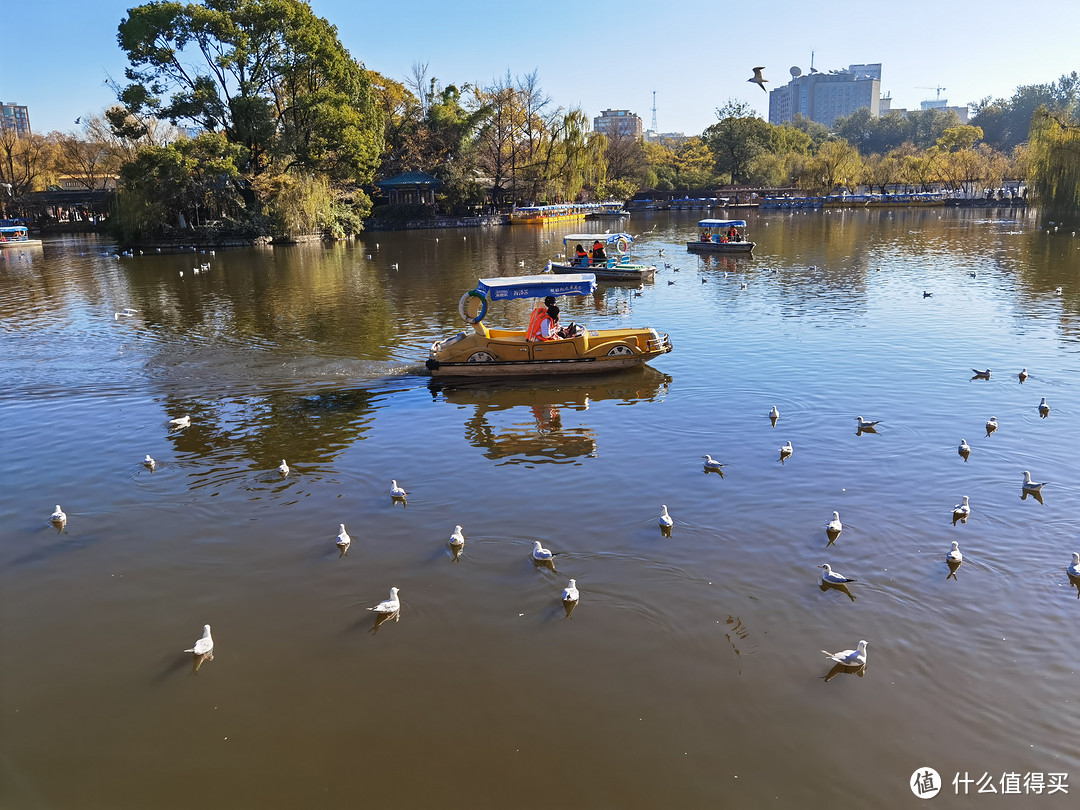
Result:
[
  {"x": 665, "y": 519},
  {"x": 866, "y": 425},
  {"x": 540, "y": 553},
  {"x": 774, "y": 414},
  {"x": 711, "y": 464},
  {"x": 149, "y": 462},
  {"x": 457, "y": 539},
  {"x": 570, "y": 592},
  {"x": 1044, "y": 409},
  {"x": 394, "y": 266},
  {"x": 964, "y": 449},
  {"x": 58, "y": 516},
  {"x": 1023, "y": 375},
  {"x": 521, "y": 263},
  {"x": 834, "y": 526},
  {"x": 830, "y": 577},
  {"x": 396, "y": 491},
  {"x": 205, "y": 645},
  {"x": 390, "y": 606},
  {"x": 181, "y": 422},
  {"x": 850, "y": 658},
  {"x": 926, "y": 294},
  {"x": 991, "y": 425},
  {"x": 954, "y": 556},
  {"x": 962, "y": 509},
  {"x": 343, "y": 538},
  {"x": 786, "y": 451},
  {"x": 982, "y": 375},
  {"x": 758, "y": 79},
  {"x": 1074, "y": 569},
  {"x": 1030, "y": 485},
  {"x": 283, "y": 468}
]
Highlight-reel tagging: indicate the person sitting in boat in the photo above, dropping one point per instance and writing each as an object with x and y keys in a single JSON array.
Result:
[
  {"x": 706, "y": 236},
  {"x": 733, "y": 234},
  {"x": 537, "y": 316},
  {"x": 582, "y": 256},
  {"x": 598, "y": 254},
  {"x": 554, "y": 331}
]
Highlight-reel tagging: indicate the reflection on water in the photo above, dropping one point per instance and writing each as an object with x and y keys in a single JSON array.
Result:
[
  {"x": 314, "y": 354},
  {"x": 528, "y": 421}
]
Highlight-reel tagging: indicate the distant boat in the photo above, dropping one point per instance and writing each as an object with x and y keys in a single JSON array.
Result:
[
  {"x": 721, "y": 236},
  {"x": 16, "y": 236}
]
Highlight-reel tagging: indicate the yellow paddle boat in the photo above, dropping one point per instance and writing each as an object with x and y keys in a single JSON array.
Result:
[{"x": 490, "y": 352}]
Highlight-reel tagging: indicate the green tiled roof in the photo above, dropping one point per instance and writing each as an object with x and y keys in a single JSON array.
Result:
[{"x": 411, "y": 179}]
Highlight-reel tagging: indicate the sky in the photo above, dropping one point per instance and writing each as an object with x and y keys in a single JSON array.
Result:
[{"x": 600, "y": 54}]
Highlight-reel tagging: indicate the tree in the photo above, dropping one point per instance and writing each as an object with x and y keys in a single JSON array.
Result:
[
  {"x": 1007, "y": 122},
  {"x": 836, "y": 163},
  {"x": 273, "y": 78},
  {"x": 22, "y": 161},
  {"x": 1054, "y": 166},
  {"x": 736, "y": 139}
]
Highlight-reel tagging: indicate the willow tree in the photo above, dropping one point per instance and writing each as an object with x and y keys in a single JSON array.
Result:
[{"x": 1054, "y": 167}]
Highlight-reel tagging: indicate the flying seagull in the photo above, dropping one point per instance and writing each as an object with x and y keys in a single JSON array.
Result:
[{"x": 758, "y": 79}]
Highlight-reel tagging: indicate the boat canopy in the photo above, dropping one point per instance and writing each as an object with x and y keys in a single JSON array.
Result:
[
  {"x": 606, "y": 238},
  {"x": 503, "y": 289},
  {"x": 721, "y": 223}
]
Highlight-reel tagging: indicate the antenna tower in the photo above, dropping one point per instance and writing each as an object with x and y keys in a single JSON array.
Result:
[{"x": 653, "y": 127}]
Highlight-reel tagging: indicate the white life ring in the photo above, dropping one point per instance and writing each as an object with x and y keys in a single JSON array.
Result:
[
  {"x": 622, "y": 245},
  {"x": 463, "y": 307}
]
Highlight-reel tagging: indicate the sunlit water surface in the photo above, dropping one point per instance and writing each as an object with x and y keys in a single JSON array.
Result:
[{"x": 690, "y": 674}]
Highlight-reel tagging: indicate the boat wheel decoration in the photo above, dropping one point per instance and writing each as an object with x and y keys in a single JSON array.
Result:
[
  {"x": 481, "y": 357},
  {"x": 621, "y": 349},
  {"x": 463, "y": 307}
]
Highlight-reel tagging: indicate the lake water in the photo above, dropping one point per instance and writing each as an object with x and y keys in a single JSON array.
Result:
[{"x": 690, "y": 674}]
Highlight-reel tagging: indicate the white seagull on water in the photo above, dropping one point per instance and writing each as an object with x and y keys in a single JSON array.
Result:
[
  {"x": 205, "y": 645},
  {"x": 1023, "y": 375},
  {"x": 1074, "y": 569},
  {"x": 343, "y": 539},
  {"x": 1044, "y": 409},
  {"x": 962, "y": 509},
  {"x": 711, "y": 463},
  {"x": 58, "y": 516},
  {"x": 149, "y": 462},
  {"x": 830, "y": 577},
  {"x": 865, "y": 424},
  {"x": 850, "y": 658},
  {"x": 1030, "y": 485},
  {"x": 457, "y": 539},
  {"x": 964, "y": 449},
  {"x": 181, "y": 422},
  {"x": 570, "y": 592},
  {"x": 540, "y": 553},
  {"x": 774, "y": 414},
  {"x": 396, "y": 492},
  {"x": 991, "y": 425},
  {"x": 665, "y": 520},
  {"x": 786, "y": 450},
  {"x": 954, "y": 556},
  {"x": 390, "y": 606},
  {"x": 283, "y": 468},
  {"x": 834, "y": 526}
]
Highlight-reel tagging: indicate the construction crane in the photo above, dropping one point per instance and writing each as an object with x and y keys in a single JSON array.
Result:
[{"x": 939, "y": 88}]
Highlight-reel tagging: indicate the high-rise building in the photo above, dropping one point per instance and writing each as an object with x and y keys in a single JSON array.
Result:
[
  {"x": 15, "y": 116},
  {"x": 618, "y": 123},
  {"x": 824, "y": 97}
]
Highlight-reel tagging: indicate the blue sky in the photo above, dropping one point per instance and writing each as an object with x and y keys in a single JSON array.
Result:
[{"x": 599, "y": 54}]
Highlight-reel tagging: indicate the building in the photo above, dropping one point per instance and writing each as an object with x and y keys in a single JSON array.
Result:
[
  {"x": 618, "y": 123},
  {"x": 15, "y": 116},
  {"x": 962, "y": 112},
  {"x": 411, "y": 188},
  {"x": 824, "y": 97}
]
